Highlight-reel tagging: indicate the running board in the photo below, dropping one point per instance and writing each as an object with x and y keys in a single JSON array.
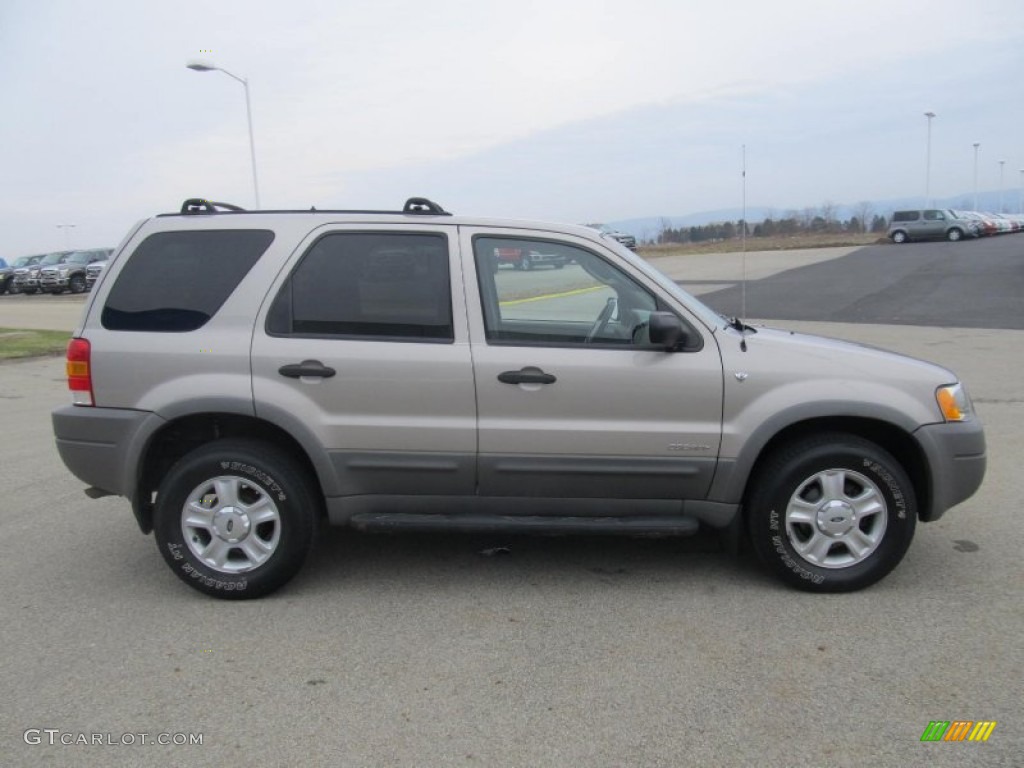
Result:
[{"x": 536, "y": 524}]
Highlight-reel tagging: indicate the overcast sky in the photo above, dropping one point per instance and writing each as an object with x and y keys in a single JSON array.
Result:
[{"x": 571, "y": 110}]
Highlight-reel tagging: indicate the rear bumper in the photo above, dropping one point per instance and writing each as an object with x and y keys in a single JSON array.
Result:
[
  {"x": 956, "y": 459},
  {"x": 101, "y": 445}
]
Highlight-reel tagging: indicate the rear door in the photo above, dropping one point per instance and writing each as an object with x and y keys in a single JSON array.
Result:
[
  {"x": 933, "y": 224},
  {"x": 573, "y": 400},
  {"x": 362, "y": 349}
]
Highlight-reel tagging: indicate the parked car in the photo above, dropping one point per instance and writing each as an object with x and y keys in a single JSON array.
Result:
[
  {"x": 23, "y": 271},
  {"x": 622, "y": 237},
  {"x": 26, "y": 280},
  {"x": 6, "y": 275},
  {"x": 930, "y": 224},
  {"x": 526, "y": 258},
  {"x": 93, "y": 272},
  {"x": 68, "y": 274},
  {"x": 238, "y": 376}
]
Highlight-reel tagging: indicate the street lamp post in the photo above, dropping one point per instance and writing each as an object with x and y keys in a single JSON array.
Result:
[
  {"x": 928, "y": 163},
  {"x": 200, "y": 65},
  {"x": 1001, "y": 188},
  {"x": 976, "y": 145}
]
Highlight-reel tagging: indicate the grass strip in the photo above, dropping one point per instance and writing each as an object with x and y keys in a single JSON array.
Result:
[{"x": 16, "y": 343}]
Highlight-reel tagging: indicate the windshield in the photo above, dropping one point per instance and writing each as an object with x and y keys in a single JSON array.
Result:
[
  {"x": 52, "y": 258},
  {"x": 79, "y": 257},
  {"x": 708, "y": 316}
]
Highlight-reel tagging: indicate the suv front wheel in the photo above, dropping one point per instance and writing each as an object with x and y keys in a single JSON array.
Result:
[
  {"x": 235, "y": 518},
  {"x": 832, "y": 513}
]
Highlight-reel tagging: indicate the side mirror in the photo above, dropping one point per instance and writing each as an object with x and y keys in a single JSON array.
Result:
[{"x": 666, "y": 330}]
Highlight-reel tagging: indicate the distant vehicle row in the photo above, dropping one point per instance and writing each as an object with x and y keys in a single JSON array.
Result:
[
  {"x": 949, "y": 224},
  {"x": 57, "y": 272}
]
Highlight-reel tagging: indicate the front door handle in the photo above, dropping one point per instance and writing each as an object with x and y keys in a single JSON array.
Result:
[
  {"x": 528, "y": 375},
  {"x": 306, "y": 368}
]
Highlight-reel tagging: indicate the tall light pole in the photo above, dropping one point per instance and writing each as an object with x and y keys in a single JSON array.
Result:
[
  {"x": 1001, "y": 164},
  {"x": 928, "y": 163},
  {"x": 1020, "y": 193},
  {"x": 200, "y": 65},
  {"x": 976, "y": 145},
  {"x": 67, "y": 232}
]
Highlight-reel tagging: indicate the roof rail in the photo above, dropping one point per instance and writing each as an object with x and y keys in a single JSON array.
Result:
[
  {"x": 414, "y": 206},
  {"x": 198, "y": 205}
]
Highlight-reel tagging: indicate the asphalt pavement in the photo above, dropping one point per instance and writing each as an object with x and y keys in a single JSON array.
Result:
[{"x": 455, "y": 650}]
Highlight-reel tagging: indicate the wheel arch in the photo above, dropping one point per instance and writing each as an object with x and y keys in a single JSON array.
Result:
[
  {"x": 888, "y": 436},
  {"x": 177, "y": 437}
]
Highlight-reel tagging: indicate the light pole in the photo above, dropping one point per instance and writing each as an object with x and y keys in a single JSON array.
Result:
[
  {"x": 928, "y": 163},
  {"x": 1001, "y": 164},
  {"x": 200, "y": 65},
  {"x": 976, "y": 145},
  {"x": 1020, "y": 193},
  {"x": 67, "y": 233}
]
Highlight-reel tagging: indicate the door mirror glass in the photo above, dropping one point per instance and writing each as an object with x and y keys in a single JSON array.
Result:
[{"x": 667, "y": 331}]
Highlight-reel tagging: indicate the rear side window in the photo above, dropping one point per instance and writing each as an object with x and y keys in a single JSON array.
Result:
[
  {"x": 905, "y": 216},
  {"x": 176, "y": 281},
  {"x": 368, "y": 285}
]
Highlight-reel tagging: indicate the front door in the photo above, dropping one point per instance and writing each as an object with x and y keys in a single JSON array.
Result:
[{"x": 572, "y": 398}]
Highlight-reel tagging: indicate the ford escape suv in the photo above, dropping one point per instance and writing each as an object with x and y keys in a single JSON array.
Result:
[{"x": 239, "y": 375}]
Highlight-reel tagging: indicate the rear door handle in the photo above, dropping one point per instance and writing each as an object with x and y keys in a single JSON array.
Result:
[
  {"x": 306, "y": 368},
  {"x": 528, "y": 375}
]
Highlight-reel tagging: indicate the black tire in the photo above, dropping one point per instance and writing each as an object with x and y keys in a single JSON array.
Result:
[
  {"x": 786, "y": 488},
  {"x": 77, "y": 284},
  {"x": 257, "y": 478},
  {"x": 954, "y": 235},
  {"x": 31, "y": 291},
  {"x": 899, "y": 237}
]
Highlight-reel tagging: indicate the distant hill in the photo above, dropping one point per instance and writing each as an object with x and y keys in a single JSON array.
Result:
[{"x": 648, "y": 227}]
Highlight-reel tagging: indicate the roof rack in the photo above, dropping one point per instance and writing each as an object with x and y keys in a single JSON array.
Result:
[
  {"x": 423, "y": 205},
  {"x": 198, "y": 205},
  {"x": 414, "y": 206}
]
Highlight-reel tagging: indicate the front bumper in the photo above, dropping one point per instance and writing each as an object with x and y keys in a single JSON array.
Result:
[
  {"x": 48, "y": 285},
  {"x": 956, "y": 459}
]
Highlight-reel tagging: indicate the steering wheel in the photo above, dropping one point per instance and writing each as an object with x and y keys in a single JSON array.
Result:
[{"x": 602, "y": 319}]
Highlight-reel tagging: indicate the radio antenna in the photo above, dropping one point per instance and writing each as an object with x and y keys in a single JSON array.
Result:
[{"x": 743, "y": 241}]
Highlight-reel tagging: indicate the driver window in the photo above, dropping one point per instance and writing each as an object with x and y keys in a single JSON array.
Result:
[{"x": 552, "y": 293}]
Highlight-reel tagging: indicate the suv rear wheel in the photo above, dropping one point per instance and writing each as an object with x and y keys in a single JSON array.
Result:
[
  {"x": 235, "y": 518},
  {"x": 832, "y": 513},
  {"x": 954, "y": 234}
]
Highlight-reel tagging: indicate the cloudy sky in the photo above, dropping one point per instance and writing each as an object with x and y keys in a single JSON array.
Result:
[{"x": 573, "y": 110}]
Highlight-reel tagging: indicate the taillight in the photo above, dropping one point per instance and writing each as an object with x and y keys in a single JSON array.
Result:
[{"x": 79, "y": 375}]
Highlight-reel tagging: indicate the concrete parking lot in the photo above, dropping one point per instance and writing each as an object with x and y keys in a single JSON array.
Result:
[{"x": 461, "y": 650}]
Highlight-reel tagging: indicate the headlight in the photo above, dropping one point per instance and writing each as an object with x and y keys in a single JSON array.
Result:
[
  {"x": 63, "y": 272},
  {"x": 954, "y": 403}
]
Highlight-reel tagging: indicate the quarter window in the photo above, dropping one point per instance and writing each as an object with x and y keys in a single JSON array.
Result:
[
  {"x": 358, "y": 285},
  {"x": 177, "y": 281}
]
